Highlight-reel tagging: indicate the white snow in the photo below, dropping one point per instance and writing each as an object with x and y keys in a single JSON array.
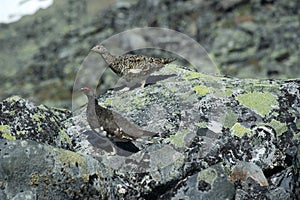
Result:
[{"x": 13, "y": 10}]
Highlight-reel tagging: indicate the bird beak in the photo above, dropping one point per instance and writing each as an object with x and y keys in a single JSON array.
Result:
[{"x": 95, "y": 48}]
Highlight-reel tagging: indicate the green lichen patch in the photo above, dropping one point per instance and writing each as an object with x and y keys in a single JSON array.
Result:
[
  {"x": 37, "y": 117},
  {"x": 298, "y": 123},
  {"x": 279, "y": 127},
  {"x": 297, "y": 135},
  {"x": 228, "y": 92},
  {"x": 261, "y": 102},
  {"x": 6, "y": 134},
  {"x": 13, "y": 99},
  {"x": 70, "y": 158},
  {"x": 192, "y": 75},
  {"x": 239, "y": 130},
  {"x": 230, "y": 119},
  {"x": 178, "y": 138},
  {"x": 64, "y": 137},
  {"x": 202, "y": 124},
  {"x": 208, "y": 175},
  {"x": 201, "y": 90}
]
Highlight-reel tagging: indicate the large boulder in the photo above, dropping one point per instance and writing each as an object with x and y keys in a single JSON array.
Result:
[{"x": 219, "y": 138}]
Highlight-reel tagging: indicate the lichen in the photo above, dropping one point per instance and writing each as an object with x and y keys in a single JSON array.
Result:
[
  {"x": 298, "y": 123},
  {"x": 64, "y": 137},
  {"x": 37, "y": 117},
  {"x": 201, "y": 90},
  {"x": 5, "y": 130},
  {"x": 239, "y": 130},
  {"x": 279, "y": 127},
  {"x": 261, "y": 102},
  {"x": 201, "y": 124},
  {"x": 13, "y": 99},
  {"x": 230, "y": 119},
  {"x": 192, "y": 75},
  {"x": 228, "y": 92},
  {"x": 178, "y": 138},
  {"x": 70, "y": 158},
  {"x": 34, "y": 179},
  {"x": 208, "y": 175}
]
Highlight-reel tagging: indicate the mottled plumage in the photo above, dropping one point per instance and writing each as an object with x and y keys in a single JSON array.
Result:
[
  {"x": 115, "y": 125},
  {"x": 132, "y": 67}
]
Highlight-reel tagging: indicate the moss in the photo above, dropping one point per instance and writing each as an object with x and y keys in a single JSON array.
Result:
[
  {"x": 230, "y": 119},
  {"x": 5, "y": 130},
  {"x": 178, "y": 138},
  {"x": 261, "y": 102},
  {"x": 239, "y": 130},
  {"x": 208, "y": 175},
  {"x": 279, "y": 127},
  {"x": 201, "y": 90}
]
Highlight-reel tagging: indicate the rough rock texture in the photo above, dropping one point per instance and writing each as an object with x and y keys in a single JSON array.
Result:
[
  {"x": 21, "y": 119},
  {"x": 257, "y": 38},
  {"x": 220, "y": 138}
]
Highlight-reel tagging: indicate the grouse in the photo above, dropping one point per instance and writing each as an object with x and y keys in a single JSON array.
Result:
[
  {"x": 133, "y": 68},
  {"x": 114, "y": 124}
]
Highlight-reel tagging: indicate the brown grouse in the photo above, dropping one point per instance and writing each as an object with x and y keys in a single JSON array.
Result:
[
  {"x": 115, "y": 125},
  {"x": 133, "y": 68}
]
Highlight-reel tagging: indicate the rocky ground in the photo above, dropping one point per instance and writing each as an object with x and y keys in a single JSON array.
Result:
[
  {"x": 219, "y": 138},
  {"x": 41, "y": 54}
]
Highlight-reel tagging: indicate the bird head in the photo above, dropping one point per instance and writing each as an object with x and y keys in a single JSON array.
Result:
[
  {"x": 87, "y": 91},
  {"x": 99, "y": 49}
]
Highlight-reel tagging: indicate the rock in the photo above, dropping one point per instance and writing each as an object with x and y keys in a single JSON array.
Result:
[
  {"x": 207, "y": 122},
  {"x": 22, "y": 120},
  {"x": 50, "y": 46},
  {"x": 33, "y": 169},
  {"x": 207, "y": 125}
]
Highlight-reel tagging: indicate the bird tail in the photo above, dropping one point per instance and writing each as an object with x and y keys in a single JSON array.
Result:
[{"x": 168, "y": 60}]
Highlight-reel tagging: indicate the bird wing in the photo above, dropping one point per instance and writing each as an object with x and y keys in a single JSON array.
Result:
[
  {"x": 129, "y": 128},
  {"x": 141, "y": 73}
]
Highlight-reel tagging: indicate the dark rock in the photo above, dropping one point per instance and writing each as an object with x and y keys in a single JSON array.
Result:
[
  {"x": 34, "y": 169},
  {"x": 21, "y": 119}
]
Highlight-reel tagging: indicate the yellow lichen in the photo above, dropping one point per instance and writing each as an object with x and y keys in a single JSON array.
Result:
[
  {"x": 201, "y": 90},
  {"x": 6, "y": 134},
  {"x": 261, "y": 102},
  {"x": 208, "y": 175},
  {"x": 192, "y": 75},
  {"x": 239, "y": 130},
  {"x": 34, "y": 179},
  {"x": 178, "y": 138},
  {"x": 70, "y": 158}
]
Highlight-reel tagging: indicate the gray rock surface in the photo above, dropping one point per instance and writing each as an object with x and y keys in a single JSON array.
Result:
[
  {"x": 207, "y": 125},
  {"x": 41, "y": 54}
]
